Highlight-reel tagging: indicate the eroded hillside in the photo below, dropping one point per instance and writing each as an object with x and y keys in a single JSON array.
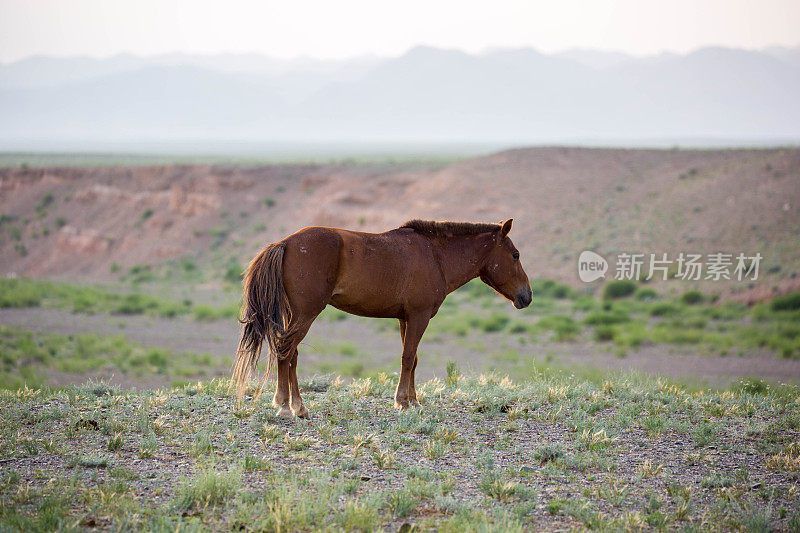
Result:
[{"x": 98, "y": 223}]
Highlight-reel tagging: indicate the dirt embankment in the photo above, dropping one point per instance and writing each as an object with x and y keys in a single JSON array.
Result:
[{"x": 75, "y": 223}]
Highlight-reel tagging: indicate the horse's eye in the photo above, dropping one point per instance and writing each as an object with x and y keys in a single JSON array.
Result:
[{"x": 515, "y": 255}]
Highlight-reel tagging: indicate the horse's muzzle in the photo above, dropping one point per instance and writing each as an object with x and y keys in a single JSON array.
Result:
[{"x": 523, "y": 299}]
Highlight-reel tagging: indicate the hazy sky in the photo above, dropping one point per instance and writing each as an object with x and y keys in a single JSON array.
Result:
[{"x": 344, "y": 28}]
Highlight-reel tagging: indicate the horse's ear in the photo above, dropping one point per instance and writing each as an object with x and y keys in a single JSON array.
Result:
[{"x": 506, "y": 227}]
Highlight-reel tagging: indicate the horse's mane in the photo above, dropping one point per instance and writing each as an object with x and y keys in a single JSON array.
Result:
[{"x": 444, "y": 228}]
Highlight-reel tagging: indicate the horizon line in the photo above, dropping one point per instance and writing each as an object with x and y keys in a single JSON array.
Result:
[{"x": 484, "y": 51}]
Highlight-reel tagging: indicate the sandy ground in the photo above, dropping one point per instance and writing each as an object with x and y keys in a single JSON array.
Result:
[{"x": 378, "y": 346}]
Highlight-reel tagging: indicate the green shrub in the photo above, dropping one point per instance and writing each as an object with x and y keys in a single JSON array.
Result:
[
  {"x": 621, "y": 288},
  {"x": 752, "y": 386},
  {"x": 696, "y": 322},
  {"x": 788, "y": 302},
  {"x": 158, "y": 358},
  {"x": 208, "y": 312},
  {"x": 550, "y": 289},
  {"x": 205, "y": 312},
  {"x": 188, "y": 265},
  {"x": 564, "y": 327},
  {"x": 477, "y": 289},
  {"x": 546, "y": 453},
  {"x": 677, "y": 335},
  {"x": 133, "y": 304},
  {"x": 727, "y": 311},
  {"x": 45, "y": 202},
  {"x": 357, "y": 517},
  {"x": 171, "y": 309},
  {"x": 495, "y": 322},
  {"x": 692, "y": 297},
  {"x": 348, "y": 349},
  {"x": 400, "y": 503},
  {"x": 234, "y": 274},
  {"x": 562, "y": 291},
  {"x": 141, "y": 273},
  {"x": 518, "y": 327},
  {"x": 584, "y": 303},
  {"x": 631, "y": 335},
  {"x": 663, "y": 309},
  {"x": 645, "y": 294},
  {"x": 83, "y": 303},
  {"x": 719, "y": 480},
  {"x": 604, "y": 333}
]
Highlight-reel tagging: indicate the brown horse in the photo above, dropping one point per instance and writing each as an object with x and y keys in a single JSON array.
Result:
[{"x": 404, "y": 274}]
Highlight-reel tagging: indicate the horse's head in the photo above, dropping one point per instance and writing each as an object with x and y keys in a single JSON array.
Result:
[{"x": 503, "y": 271}]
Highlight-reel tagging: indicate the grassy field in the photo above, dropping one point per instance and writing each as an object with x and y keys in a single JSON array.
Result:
[
  {"x": 484, "y": 453},
  {"x": 31, "y": 359},
  {"x": 26, "y": 293},
  {"x": 545, "y": 448},
  {"x": 413, "y": 156},
  {"x": 627, "y": 318}
]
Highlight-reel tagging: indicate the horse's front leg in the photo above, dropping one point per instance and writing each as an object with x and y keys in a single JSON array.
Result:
[
  {"x": 406, "y": 394},
  {"x": 412, "y": 392}
]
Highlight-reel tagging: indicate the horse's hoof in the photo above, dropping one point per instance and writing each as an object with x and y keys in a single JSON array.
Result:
[
  {"x": 302, "y": 412},
  {"x": 283, "y": 411},
  {"x": 276, "y": 403}
]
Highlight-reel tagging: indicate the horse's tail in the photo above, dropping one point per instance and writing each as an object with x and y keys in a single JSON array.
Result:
[{"x": 265, "y": 315}]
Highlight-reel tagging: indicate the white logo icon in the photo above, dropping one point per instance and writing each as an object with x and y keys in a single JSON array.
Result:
[{"x": 591, "y": 266}]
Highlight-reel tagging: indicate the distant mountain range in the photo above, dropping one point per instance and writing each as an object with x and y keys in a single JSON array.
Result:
[{"x": 501, "y": 96}]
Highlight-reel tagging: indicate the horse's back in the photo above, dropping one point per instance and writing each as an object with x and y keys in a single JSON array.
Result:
[{"x": 370, "y": 274}]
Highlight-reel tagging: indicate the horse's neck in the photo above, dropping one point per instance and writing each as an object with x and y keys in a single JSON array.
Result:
[{"x": 462, "y": 258}]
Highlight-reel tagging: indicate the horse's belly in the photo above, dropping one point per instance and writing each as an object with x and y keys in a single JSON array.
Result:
[
  {"x": 377, "y": 275},
  {"x": 369, "y": 307}
]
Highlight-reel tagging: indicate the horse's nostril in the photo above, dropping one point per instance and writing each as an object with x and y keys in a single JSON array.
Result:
[{"x": 523, "y": 299}]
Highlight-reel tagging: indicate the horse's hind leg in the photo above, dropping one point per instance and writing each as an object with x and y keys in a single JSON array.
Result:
[
  {"x": 287, "y": 391},
  {"x": 298, "y": 408},
  {"x": 281, "y": 398},
  {"x": 295, "y": 400},
  {"x": 412, "y": 389}
]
